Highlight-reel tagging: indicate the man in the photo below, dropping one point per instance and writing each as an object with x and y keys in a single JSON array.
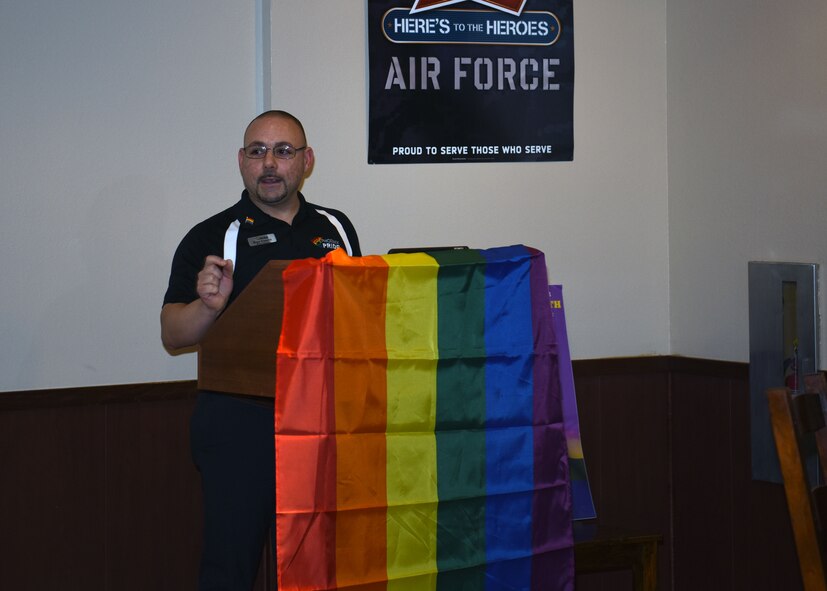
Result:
[{"x": 232, "y": 436}]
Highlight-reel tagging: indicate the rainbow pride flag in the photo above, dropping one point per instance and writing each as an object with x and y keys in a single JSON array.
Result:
[{"x": 419, "y": 431}]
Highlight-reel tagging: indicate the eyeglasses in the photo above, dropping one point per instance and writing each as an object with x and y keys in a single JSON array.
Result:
[{"x": 280, "y": 151}]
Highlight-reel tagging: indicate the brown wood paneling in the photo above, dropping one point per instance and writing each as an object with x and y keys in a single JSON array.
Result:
[
  {"x": 702, "y": 480},
  {"x": 591, "y": 431},
  {"x": 99, "y": 490},
  {"x": 764, "y": 541},
  {"x": 51, "y": 499},
  {"x": 634, "y": 452},
  {"x": 153, "y": 512},
  {"x": 629, "y": 465},
  {"x": 624, "y": 431}
]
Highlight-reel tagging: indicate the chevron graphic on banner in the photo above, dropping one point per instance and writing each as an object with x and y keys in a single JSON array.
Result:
[{"x": 514, "y": 7}]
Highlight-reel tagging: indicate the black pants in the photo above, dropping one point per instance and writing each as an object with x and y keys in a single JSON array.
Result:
[{"x": 232, "y": 446}]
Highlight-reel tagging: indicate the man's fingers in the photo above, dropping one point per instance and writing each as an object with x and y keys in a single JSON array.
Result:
[{"x": 215, "y": 280}]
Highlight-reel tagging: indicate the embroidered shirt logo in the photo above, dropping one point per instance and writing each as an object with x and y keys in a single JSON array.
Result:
[{"x": 326, "y": 243}]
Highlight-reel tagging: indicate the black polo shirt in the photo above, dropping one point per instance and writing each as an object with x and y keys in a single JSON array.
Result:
[{"x": 315, "y": 231}]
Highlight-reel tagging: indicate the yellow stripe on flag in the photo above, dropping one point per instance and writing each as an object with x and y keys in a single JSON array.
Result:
[{"x": 411, "y": 342}]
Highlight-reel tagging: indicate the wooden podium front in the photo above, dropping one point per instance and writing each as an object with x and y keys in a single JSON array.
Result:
[{"x": 238, "y": 353}]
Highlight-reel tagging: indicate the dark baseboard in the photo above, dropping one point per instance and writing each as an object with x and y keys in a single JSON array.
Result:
[
  {"x": 659, "y": 364},
  {"x": 58, "y": 397}
]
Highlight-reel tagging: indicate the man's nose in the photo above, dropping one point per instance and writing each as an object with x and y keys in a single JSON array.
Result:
[{"x": 270, "y": 160}]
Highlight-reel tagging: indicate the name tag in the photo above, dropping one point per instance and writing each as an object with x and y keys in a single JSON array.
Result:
[{"x": 263, "y": 239}]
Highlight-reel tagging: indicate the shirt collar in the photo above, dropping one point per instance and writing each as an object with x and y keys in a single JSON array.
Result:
[{"x": 249, "y": 214}]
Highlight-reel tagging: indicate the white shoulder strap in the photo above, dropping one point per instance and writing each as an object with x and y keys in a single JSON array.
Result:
[
  {"x": 230, "y": 241},
  {"x": 339, "y": 228}
]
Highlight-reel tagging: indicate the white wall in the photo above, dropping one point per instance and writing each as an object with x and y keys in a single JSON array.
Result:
[
  {"x": 119, "y": 128},
  {"x": 747, "y": 97}
]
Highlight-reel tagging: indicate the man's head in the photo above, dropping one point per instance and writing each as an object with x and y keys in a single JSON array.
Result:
[{"x": 273, "y": 182}]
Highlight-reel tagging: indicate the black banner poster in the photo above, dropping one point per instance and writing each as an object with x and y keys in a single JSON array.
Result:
[{"x": 470, "y": 81}]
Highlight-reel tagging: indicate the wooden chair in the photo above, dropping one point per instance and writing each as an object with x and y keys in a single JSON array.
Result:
[
  {"x": 598, "y": 549},
  {"x": 795, "y": 417}
]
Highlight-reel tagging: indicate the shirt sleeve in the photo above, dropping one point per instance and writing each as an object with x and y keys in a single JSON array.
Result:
[{"x": 186, "y": 264}]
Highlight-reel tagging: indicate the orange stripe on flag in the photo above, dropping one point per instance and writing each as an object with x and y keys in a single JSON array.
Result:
[{"x": 360, "y": 367}]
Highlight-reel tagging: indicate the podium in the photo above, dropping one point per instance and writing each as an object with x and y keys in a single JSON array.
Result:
[{"x": 238, "y": 353}]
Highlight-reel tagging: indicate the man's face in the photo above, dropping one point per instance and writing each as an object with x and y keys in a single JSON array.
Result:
[{"x": 273, "y": 183}]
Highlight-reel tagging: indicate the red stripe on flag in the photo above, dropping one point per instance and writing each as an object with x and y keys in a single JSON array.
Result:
[{"x": 305, "y": 450}]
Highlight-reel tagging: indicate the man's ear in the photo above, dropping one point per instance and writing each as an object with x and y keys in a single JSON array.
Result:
[{"x": 309, "y": 160}]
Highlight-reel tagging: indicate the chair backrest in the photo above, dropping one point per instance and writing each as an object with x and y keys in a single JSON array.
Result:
[{"x": 795, "y": 417}]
